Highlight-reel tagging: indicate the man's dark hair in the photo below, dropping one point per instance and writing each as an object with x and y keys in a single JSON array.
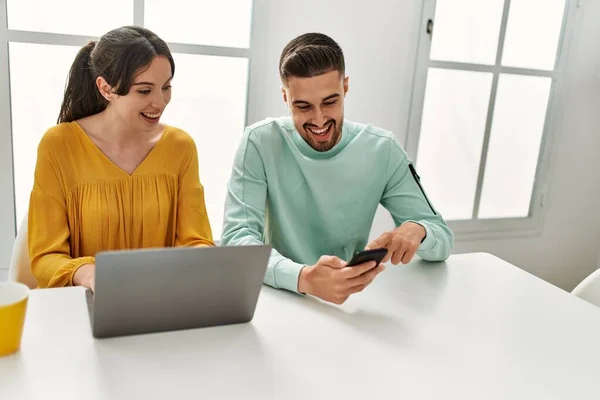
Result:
[{"x": 309, "y": 55}]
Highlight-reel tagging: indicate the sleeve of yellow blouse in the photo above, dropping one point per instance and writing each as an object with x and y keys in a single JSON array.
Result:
[
  {"x": 193, "y": 226},
  {"x": 48, "y": 229}
]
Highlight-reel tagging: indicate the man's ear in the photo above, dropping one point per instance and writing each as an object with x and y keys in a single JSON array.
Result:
[{"x": 346, "y": 79}]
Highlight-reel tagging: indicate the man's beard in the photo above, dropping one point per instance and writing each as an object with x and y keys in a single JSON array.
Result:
[{"x": 326, "y": 145}]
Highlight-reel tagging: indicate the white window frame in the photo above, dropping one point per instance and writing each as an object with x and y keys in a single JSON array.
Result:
[
  {"x": 8, "y": 223},
  {"x": 475, "y": 228}
]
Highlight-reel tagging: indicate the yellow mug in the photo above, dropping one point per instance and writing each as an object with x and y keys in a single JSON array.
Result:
[{"x": 13, "y": 305}]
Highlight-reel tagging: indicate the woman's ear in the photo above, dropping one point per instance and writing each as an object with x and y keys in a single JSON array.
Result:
[{"x": 105, "y": 89}]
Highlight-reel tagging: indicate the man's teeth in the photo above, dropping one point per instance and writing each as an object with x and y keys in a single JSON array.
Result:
[
  {"x": 319, "y": 131},
  {"x": 151, "y": 115}
]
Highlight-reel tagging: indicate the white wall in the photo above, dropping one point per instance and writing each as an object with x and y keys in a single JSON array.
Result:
[{"x": 379, "y": 41}]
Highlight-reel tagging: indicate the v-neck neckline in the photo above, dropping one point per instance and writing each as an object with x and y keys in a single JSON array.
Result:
[{"x": 107, "y": 159}]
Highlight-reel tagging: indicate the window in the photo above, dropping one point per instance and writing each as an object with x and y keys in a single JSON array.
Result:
[
  {"x": 68, "y": 16},
  {"x": 208, "y": 22},
  {"x": 36, "y": 95},
  {"x": 211, "y": 107},
  {"x": 210, "y": 42},
  {"x": 487, "y": 73}
]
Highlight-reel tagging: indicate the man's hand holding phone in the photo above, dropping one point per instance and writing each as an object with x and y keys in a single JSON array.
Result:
[{"x": 334, "y": 280}]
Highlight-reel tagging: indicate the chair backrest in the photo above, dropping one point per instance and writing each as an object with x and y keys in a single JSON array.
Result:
[
  {"x": 20, "y": 265},
  {"x": 589, "y": 288}
]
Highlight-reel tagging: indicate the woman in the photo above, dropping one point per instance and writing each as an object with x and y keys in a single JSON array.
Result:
[{"x": 110, "y": 176}]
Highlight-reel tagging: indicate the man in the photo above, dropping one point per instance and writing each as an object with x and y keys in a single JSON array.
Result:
[{"x": 310, "y": 185}]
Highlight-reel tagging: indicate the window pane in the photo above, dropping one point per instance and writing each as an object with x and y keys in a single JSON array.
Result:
[
  {"x": 532, "y": 33},
  {"x": 467, "y": 30},
  {"x": 208, "y": 22},
  {"x": 452, "y": 130},
  {"x": 514, "y": 147},
  {"x": 35, "y": 101},
  {"x": 209, "y": 103},
  {"x": 75, "y": 17}
]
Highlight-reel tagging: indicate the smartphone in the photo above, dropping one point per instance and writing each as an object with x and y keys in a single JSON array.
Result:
[{"x": 368, "y": 255}]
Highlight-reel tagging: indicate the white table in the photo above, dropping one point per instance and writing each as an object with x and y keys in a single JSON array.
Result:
[{"x": 475, "y": 327}]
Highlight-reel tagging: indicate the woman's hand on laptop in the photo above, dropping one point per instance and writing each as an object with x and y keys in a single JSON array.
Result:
[
  {"x": 85, "y": 276},
  {"x": 332, "y": 280}
]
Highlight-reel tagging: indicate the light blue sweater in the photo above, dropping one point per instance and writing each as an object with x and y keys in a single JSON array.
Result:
[{"x": 308, "y": 203}]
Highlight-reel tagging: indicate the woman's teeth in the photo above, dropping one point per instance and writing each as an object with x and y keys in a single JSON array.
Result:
[{"x": 151, "y": 115}]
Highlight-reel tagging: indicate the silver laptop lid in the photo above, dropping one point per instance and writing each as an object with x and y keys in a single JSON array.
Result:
[{"x": 154, "y": 290}]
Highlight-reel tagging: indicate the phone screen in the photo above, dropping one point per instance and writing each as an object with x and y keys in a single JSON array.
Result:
[{"x": 368, "y": 255}]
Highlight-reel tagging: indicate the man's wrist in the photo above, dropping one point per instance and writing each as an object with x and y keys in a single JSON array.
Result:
[
  {"x": 303, "y": 280},
  {"x": 422, "y": 229}
]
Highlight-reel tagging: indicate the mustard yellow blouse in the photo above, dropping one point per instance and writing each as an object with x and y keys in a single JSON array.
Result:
[{"x": 83, "y": 203}]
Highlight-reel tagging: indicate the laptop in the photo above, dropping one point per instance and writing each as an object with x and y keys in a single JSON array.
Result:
[{"x": 166, "y": 289}]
